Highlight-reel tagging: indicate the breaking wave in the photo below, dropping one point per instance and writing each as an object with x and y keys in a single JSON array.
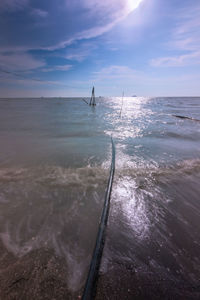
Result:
[{"x": 59, "y": 208}]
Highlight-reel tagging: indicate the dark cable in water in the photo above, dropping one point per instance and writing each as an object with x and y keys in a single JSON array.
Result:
[
  {"x": 90, "y": 287},
  {"x": 188, "y": 118},
  {"x": 91, "y": 283},
  {"x": 85, "y": 101}
]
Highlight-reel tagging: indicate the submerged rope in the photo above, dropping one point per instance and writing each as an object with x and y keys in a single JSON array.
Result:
[
  {"x": 188, "y": 118},
  {"x": 85, "y": 101},
  {"x": 90, "y": 287}
]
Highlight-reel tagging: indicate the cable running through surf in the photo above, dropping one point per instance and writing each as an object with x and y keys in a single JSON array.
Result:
[
  {"x": 91, "y": 283},
  {"x": 90, "y": 287}
]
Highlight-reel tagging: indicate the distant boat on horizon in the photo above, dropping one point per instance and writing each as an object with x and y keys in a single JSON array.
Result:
[{"x": 134, "y": 96}]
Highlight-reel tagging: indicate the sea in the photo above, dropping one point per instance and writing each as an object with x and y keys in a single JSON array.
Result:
[{"x": 55, "y": 156}]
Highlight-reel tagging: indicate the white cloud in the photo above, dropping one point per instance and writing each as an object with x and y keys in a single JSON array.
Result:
[
  {"x": 185, "y": 38},
  {"x": 192, "y": 58},
  {"x": 13, "y": 4},
  {"x": 108, "y": 81},
  {"x": 114, "y": 79},
  {"x": 81, "y": 52},
  {"x": 96, "y": 18},
  {"x": 64, "y": 67},
  {"x": 107, "y": 14},
  {"x": 20, "y": 62},
  {"x": 76, "y": 56},
  {"x": 186, "y": 35},
  {"x": 39, "y": 12},
  {"x": 12, "y": 78},
  {"x": 113, "y": 10},
  {"x": 57, "y": 68},
  {"x": 116, "y": 71},
  {"x": 108, "y": 10}
]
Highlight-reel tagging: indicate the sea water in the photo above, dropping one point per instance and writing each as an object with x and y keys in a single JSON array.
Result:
[{"x": 55, "y": 155}]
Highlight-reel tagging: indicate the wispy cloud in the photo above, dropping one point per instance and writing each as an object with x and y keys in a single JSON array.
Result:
[
  {"x": 192, "y": 58},
  {"x": 114, "y": 78},
  {"x": 20, "y": 62},
  {"x": 107, "y": 10},
  {"x": 90, "y": 20},
  {"x": 110, "y": 13},
  {"x": 24, "y": 79},
  {"x": 81, "y": 52},
  {"x": 12, "y": 5},
  {"x": 57, "y": 68},
  {"x": 186, "y": 35},
  {"x": 117, "y": 72},
  {"x": 185, "y": 38},
  {"x": 76, "y": 56},
  {"x": 39, "y": 13}
]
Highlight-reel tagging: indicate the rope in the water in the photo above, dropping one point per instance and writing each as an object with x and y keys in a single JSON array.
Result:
[
  {"x": 184, "y": 117},
  {"x": 85, "y": 101},
  {"x": 91, "y": 283},
  {"x": 90, "y": 287}
]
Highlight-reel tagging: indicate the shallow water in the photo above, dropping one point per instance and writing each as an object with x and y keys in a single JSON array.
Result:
[{"x": 54, "y": 165}]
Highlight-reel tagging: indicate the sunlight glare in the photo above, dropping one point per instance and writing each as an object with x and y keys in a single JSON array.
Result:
[{"x": 133, "y": 4}]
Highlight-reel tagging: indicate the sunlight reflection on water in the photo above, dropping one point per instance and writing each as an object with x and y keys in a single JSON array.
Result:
[
  {"x": 55, "y": 162},
  {"x": 132, "y": 205},
  {"x": 129, "y": 117}
]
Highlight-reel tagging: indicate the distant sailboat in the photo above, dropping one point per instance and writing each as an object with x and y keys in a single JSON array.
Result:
[{"x": 92, "y": 99}]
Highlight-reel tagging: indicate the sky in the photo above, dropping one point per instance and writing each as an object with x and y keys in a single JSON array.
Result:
[{"x": 62, "y": 48}]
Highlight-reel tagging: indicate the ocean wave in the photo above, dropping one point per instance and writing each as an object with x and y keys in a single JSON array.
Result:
[
  {"x": 59, "y": 208},
  {"x": 53, "y": 207}
]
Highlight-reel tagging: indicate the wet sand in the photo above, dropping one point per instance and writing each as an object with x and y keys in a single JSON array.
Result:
[
  {"x": 41, "y": 274},
  {"x": 122, "y": 282},
  {"x": 37, "y": 275}
]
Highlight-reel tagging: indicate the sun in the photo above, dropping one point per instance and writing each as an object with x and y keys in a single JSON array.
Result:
[{"x": 133, "y": 4}]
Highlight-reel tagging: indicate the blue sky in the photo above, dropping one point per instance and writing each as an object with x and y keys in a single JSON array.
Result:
[{"x": 64, "y": 47}]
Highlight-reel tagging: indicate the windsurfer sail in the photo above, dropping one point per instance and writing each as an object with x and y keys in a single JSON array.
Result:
[{"x": 92, "y": 99}]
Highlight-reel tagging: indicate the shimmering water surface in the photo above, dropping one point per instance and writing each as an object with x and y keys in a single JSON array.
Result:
[{"x": 54, "y": 165}]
